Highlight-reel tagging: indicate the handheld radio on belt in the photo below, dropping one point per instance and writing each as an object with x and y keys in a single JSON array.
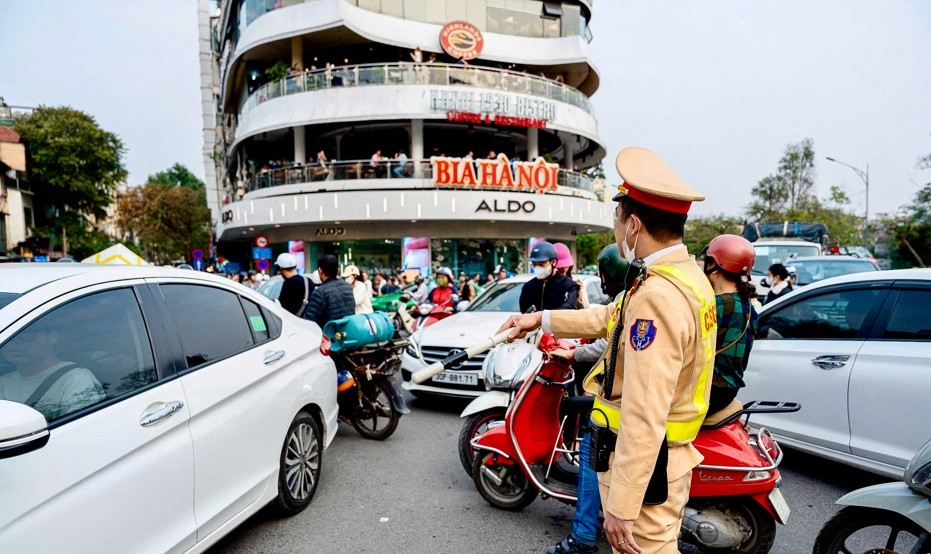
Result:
[{"x": 603, "y": 438}]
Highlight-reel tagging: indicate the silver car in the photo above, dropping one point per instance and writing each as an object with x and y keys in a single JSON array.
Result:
[{"x": 855, "y": 351}]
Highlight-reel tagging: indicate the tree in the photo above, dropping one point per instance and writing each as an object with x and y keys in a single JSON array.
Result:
[
  {"x": 589, "y": 245},
  {"x": 789, "y": 188},
  {"x": 178, "y": 176},
  {"x": 699, "y": 231},
  {"x": 596, "y": 171},
  {"x": 169, "y": 222},
  {"x": 74, "y": 169}
]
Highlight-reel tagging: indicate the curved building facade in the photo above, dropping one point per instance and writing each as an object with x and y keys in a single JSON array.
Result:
[{"x": 399, "y": 133}]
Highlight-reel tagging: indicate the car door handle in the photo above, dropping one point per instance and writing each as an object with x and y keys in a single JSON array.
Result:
[
  {"x": 274, "y": 357},
  {"x": 151, "y": 418},
  {"x": 831, "y": 362}
]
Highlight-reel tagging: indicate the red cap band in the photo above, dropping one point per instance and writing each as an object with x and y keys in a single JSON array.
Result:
[{"x": 656, "y": 201}]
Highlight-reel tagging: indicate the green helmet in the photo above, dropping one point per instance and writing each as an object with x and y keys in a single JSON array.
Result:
[{"x": 612, "y": 267}]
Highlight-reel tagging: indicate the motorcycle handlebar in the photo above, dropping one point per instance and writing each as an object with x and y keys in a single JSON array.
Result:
[{"x": 459, "y": 357}]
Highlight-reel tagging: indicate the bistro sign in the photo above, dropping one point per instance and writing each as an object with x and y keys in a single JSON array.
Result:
[
  {"x": 488, "y": 119},
  {"x": 495, "y": 103},
  {"x": 538, "y": 175}
]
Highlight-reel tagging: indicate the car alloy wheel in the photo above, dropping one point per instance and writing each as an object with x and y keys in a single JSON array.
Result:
[{"x": 300, "y": 465}]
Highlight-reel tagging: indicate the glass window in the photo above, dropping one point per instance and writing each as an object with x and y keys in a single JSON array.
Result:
[
  {"x": 499, "y": 298},
  {"x": 79, "y": 354},
  {"x": 210, "y": 322},
  {"x": 257, "y": 321},
  {"x": 836, "y": 315},
  {"x": 910, "y": 318}
]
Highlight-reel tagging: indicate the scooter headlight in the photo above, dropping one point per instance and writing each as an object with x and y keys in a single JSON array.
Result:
[
  {"x": 509, "y": 379},
  {"x": 425, "y": 308}
]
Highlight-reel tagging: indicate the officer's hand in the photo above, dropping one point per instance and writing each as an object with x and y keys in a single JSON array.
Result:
[
  {"x": 521, "y": 324},
  {"x": 620, "y": 534}
]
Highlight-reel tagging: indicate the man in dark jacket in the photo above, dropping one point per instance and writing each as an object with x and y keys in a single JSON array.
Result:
[
  {"x": 332, "y": 299},
  {"x": 296, "y": 288},
  {"x": 549, "y": 289}
]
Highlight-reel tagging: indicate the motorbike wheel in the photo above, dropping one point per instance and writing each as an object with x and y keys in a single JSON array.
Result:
[
  {"x": 474, "y": 426},
  {"x": 299, "y": 465},
  {"x": 376, "y": 418},
  {"x": 754, "y": 517},
  {"x": 515, "y": 491},
  {"x": 856, "y": 529}
]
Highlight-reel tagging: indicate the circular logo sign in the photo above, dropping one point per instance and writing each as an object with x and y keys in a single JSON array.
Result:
[
  {"x": 461, "y": 40},
  {"x": 262, "y": 264},
  {"x": 261, "y": 241},
  {"x": 197, "y": 254}
]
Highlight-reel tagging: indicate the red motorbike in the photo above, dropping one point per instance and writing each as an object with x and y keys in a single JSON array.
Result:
[
  {"x": 734, "y": 501},
  {"x": 428, "y": 314}
]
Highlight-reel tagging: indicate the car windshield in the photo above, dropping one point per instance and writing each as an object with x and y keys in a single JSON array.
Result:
[
  {"x": 810, "y": 271},
  {"x": 768, "y": 255},
  {"x": 6, "y": 298},
  {"x": 503, "y": 297}
]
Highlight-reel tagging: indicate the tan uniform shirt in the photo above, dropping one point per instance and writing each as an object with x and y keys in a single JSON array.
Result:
[{"x": 654, "y": 380}]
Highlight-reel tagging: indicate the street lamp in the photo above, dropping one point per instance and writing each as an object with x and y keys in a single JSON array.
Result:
[{"x": 865, "y": 175}]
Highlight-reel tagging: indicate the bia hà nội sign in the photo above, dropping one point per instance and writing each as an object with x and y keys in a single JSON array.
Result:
[{"x": 537, "y": 175}]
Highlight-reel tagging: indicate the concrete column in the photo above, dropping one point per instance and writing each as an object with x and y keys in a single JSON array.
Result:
[
  {"x": 533, "y": 143},
  {"x": 297, "y": 53},
  {"x": 300, "y": 147},
  {"x": 417, "y": 146},
  {"x": 567, "y": 147},
  {"x": 339, "y": 148}
]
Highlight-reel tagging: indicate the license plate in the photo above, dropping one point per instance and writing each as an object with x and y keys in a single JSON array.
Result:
[
  {"x": 456, "y": 378},
  {"x": 779, "y": 504}
]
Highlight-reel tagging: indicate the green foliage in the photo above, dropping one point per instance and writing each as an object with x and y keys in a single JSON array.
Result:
[
  {"x": 277, "y": 71},
  {"x": 169, "y": 222},
  {"x": 589, "y": 245},
  {"x": 911, "y": 232},
  {"x": 178, "y": 176},
  {"x": 700, "y": 230},
  {"x": 788, "y": 189},
  {"x": 74, "y": 166}
]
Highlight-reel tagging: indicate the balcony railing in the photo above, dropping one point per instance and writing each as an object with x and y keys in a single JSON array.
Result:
[
  {"x": 417, "y": 74},
  {"x": 360, "y": 169}
]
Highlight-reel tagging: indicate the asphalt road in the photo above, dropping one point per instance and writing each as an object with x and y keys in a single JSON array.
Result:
[{"x": 409, "y": 494}]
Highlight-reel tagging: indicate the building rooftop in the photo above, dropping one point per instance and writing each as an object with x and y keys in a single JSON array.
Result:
[{"x": 8, "y": 135}]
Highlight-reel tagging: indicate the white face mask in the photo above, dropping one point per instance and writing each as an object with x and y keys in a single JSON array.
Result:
[
  {"x": 542, "y": 271},
  {"x": 629, "y": 253}
]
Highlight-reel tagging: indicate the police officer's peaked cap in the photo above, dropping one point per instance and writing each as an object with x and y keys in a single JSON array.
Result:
[{"x": 649, "y": 180}]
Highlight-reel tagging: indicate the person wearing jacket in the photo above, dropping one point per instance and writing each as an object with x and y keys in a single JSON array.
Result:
[
  {"x": 778, "y": 281},
  {"x": 660, "y": 356},
  {"x": 444, "y": 289},
  {"x": 360, "y": 292},
  {"x": 333, "y": 298},
  {"x": 549, "y": 289}
]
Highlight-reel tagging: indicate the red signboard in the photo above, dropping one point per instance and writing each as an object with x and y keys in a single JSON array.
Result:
[
  {"x": 496, "y": 119},
  {"x": 499, "y": 173},
  {"x": 461, "y": 40}
]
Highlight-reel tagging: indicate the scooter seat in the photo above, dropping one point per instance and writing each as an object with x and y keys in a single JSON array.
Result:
[{"x": 724, "y": 413}]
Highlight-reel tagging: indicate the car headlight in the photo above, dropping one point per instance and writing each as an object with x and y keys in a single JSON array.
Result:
[{"x": 413, "y": 349}]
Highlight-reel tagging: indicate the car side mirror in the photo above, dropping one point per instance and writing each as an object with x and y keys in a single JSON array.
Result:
[{"x": 22, "y": 429}]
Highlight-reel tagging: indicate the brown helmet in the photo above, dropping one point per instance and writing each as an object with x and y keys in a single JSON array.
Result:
[{"x": 732, "y": 253}]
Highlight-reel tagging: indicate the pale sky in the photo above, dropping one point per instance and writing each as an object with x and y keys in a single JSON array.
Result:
[{"x": 718, "y": 88}]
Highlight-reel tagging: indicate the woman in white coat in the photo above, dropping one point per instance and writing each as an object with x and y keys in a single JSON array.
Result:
[{"x": 361, "y": 292}]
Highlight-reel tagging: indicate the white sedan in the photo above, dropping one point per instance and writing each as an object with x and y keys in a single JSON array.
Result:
[
  {"x": 477, "y": 322},
  {"x": 152, "y": 410},
  {"x": 855, "y": 351}
]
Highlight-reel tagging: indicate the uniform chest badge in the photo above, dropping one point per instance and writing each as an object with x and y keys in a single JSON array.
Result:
[{"x": 642, "y": 333}]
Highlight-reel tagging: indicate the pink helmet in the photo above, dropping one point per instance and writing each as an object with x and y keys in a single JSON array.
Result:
[{"x": 563, "y": 256}]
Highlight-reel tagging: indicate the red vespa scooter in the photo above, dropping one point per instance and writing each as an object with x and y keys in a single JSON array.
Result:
[{"x": 734, "y": 502}]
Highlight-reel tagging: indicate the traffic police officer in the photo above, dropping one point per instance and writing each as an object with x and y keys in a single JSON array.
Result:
[{"x": 661, "y": 340}]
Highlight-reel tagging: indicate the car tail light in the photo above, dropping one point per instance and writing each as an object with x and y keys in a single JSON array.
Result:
[{"x": 325, "y": 345}]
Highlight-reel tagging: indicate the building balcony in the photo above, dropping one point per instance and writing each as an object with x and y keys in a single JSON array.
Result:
[
  {"x": 392, "y": 92},
  {"x": 357, "y": 175}
]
